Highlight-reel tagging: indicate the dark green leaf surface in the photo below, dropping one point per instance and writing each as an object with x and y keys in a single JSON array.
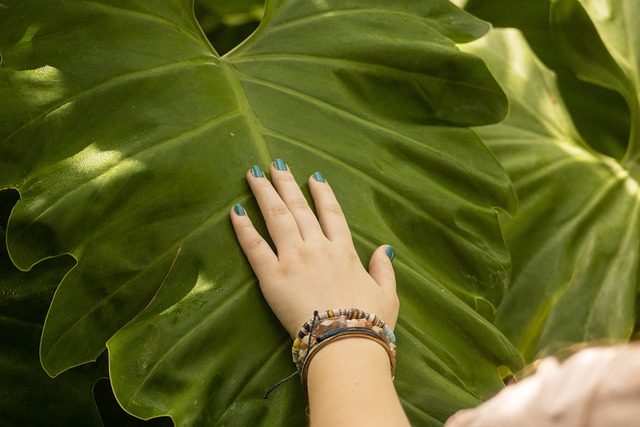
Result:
[
  {"x": 128, "y": 138},
  {"x": 228, "y": 22},
  {"x": 28, "y": 396},
  {"x": 574, "y": 241}
]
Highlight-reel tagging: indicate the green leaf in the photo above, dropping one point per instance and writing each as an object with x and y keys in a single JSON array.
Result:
[
  {"x": 564, "y": 38},
  {"x": 230, "y": 13},
  {"x": 618, "y": 28},
  {"x": 128, "y": 138},
  {"x": 574, "y": 241},
  {"x": 28, "y": 396},
  {"x": 228, "y": 22}
]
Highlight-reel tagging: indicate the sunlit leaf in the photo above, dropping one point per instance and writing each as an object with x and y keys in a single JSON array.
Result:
[
  {"x": 617, "y": 26},
  {"x": 574, "y": 241},
  {"x": 562, "y": 35},
  {"x": 128, "y": 138}
]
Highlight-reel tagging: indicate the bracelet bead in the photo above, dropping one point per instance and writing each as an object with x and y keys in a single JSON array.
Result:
[{"x": 335, "y": 324}]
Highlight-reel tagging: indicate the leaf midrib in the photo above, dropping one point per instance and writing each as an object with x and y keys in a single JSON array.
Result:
[{"x": 256, "y": 130}]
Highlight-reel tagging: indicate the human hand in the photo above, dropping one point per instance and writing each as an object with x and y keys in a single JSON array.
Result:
[{"x": 315, "y": 265}]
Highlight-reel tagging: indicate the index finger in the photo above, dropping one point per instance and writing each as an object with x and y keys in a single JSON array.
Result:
[{"x": 254, "y": 246}]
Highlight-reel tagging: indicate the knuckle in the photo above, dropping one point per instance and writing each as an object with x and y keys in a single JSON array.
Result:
[
  {"x": 256, "y": 244},
  {"x": 246, "y": 229},
  {"x": 335, "y": 209},
  {"x": 278, "y": 210},
  {"x": 300, "y": 204}
]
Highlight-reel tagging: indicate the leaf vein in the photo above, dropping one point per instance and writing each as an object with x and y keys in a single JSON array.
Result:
[{"x": 113, "y": 81}]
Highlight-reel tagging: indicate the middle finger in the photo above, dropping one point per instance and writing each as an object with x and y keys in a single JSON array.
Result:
[
  {"x": 279, "y": 219},
  {"x": 290, "y": 192}
]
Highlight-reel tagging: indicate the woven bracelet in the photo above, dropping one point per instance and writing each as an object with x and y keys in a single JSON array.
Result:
[
  {"x": 348, "y": 333},
  {"x": 332, "y": 325},
  {"x": 337, "y": 324}
]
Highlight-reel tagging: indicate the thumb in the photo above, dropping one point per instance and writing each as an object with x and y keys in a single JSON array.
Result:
[{"x": 381, "y": 268}]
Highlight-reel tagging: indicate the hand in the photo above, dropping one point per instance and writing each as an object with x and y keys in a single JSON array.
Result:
[{"x": 315, "y": 265}]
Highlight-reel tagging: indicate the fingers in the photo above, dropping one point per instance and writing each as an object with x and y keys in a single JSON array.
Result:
[
  {"x": 330, "y": 215},
  {"x": 290, "y": 193},
  {"x": 381, "y": 268},
  {"x": 256, "y": 249},
  {"x": 287, "y": 214},
  {"x": 281, "y": 223}
]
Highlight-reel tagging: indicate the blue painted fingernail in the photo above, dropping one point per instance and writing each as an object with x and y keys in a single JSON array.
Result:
[
  {"x": 280, "y": 164},
  {"x": 391, "y": 253},
  {"x": 318, "y": 177},
  {"x": 257, "y": 172},
  {"x": 238, "y": 209}
]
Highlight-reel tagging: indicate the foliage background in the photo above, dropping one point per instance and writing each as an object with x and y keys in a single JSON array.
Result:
[
  {"x": 574, "y": 255},
  {"x": 570, "y": 145}
]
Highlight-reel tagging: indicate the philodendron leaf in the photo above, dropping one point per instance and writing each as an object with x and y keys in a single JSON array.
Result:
[
  {"x": 574, "y": 241},
  {"x": 606, "y": 54},
  {"x": 617, "y": 25},
  {"x": 565, "y": 39},
  {"x": 28, "y": 396},
  {"x": 128, "y": 138}
]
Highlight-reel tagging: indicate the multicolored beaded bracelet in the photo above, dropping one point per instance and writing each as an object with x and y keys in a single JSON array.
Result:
[
  {"x": 372, "y": 321},
  {"x": 333, "y": 325},
  {"x": 336, "y": 324},
  {"x": 350, "y": 313}
]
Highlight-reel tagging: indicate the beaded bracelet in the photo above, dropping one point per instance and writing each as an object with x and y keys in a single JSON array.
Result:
[{"x": 336, "y": 324}]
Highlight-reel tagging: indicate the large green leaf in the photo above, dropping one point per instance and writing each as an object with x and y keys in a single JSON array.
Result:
[
  {"x": 28, "y": 396},
  {"x": 574, "y": 242},
  {"x": 128, "y": 139}
]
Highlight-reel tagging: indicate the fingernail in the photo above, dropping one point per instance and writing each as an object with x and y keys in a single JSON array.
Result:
[
  {"x": 391, "y": 253},
  {"x": 257, "y": 172},
  {"x": 280, "y": 165},
  {"x": 318, "y": 177},
  {"x": 238, "y": 209}
]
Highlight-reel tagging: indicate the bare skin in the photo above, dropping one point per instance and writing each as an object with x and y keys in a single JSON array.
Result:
[{"x": 315, "y": 267}]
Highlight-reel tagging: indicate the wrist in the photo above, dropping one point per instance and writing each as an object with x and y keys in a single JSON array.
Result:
[
  {"x": 348, "y": 356},
  {"x": 349, "y": 334},
  {"x": 350, "y": 379}
]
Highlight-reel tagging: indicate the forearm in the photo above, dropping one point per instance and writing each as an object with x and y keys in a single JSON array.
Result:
[{"x": 350, "y": 381}]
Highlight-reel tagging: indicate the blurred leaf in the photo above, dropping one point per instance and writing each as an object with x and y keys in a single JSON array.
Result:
[
  {"x": 129, "y": 137},
  {"x": 232, "y": 12},
  {"x": 574, "y": 242},
  {"x": 228, "y": 22},
  {"x": 617, "y": 26},
  {"x": 552, "y": 29}
]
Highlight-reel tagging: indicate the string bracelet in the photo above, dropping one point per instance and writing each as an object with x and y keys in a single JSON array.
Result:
[
  {"x": 336, "y": 324},
  {"x": 333, "y": 325}
]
